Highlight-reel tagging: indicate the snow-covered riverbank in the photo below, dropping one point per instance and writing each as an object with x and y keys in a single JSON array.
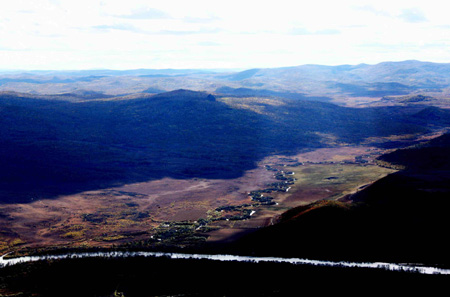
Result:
[{"x": 297, "y": 261}]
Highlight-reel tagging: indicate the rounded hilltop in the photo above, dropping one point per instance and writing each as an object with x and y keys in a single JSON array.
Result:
[{"x": 183, "y": 94}]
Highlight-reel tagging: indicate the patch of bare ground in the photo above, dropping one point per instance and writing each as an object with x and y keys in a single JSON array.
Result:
[
  {"x": 136, "y": 212},
  {"x": 352, "y": 101}
]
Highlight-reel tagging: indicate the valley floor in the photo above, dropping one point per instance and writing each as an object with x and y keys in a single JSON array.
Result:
[{"x": 186, "y": 212}]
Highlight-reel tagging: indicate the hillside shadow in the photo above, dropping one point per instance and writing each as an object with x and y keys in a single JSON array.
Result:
[{"x": 58, "y": 148}]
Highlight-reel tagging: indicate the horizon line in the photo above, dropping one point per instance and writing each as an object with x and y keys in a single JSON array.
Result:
[{"x": 213, "y": 69}]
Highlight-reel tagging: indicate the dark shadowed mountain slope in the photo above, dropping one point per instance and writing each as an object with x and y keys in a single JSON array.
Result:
[
  {"x": 431, "y": 156},
  {"x": 252, "y": 92},
  {"x": 241, "y": 75},
  {"x": 54, "y": 147},
  {"x": 377, "y": 89},
  {"x": 402, "y": 217}
]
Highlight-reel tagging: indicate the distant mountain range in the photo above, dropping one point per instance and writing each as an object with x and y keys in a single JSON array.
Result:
[
  {"x": 317, "y": 81},
  {"x": 407, "y": 72},
  {"x": 387, "y": 78},
  {"x": 410, "y": 72}
]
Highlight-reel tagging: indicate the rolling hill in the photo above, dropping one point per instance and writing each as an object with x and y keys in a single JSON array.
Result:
[
  {"x": 297, "y": 82},
  {"x": 50, "y": 147},
  {"x": 409, "y": 73}
]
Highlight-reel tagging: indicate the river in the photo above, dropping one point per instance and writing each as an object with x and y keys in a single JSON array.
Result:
[{"x": 297, "y": 261}]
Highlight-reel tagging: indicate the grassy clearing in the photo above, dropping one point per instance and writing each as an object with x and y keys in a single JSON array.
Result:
[
  {"x": 339, "y": 179},
  {"x": 73, "y": 235},
  {"x": 336, "y": 174}
]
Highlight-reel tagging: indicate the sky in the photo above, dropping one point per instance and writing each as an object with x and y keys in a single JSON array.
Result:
[{"x": 133, "y": 34}]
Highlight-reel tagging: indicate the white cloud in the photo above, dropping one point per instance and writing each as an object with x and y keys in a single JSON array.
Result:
[
  {"x": 236, "y": 34},
  {"x": 413, "y": 15},
  {"x": 373, "y": 10},
  {"x": 145, "y": 13},
  {"x": 303, "y": 31}
]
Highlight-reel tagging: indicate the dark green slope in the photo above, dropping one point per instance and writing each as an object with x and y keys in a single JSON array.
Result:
[{"x": 54, "y": 147}]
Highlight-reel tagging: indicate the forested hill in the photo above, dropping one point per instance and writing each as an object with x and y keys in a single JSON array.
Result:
[
  {"x": 51, "y": 147},
  {"x": 431, "y": 156}
]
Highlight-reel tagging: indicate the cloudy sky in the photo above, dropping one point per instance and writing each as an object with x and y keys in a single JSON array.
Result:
[{"x": 130, "y": 34}]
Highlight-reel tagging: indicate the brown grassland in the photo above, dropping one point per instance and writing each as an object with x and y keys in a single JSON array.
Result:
[{"x": 136, "y": 212}]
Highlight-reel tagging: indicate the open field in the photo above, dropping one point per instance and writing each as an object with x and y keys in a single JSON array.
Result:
[
  {"x": 161, "y": 210},
  {"x": 330, "y": 173}
]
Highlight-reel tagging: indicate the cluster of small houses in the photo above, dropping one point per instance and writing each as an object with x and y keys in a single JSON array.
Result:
[
  {"x": 282, "y": 186},
  {"x": 285, "y": 180},
  {"x": 244, "y": 211}
]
